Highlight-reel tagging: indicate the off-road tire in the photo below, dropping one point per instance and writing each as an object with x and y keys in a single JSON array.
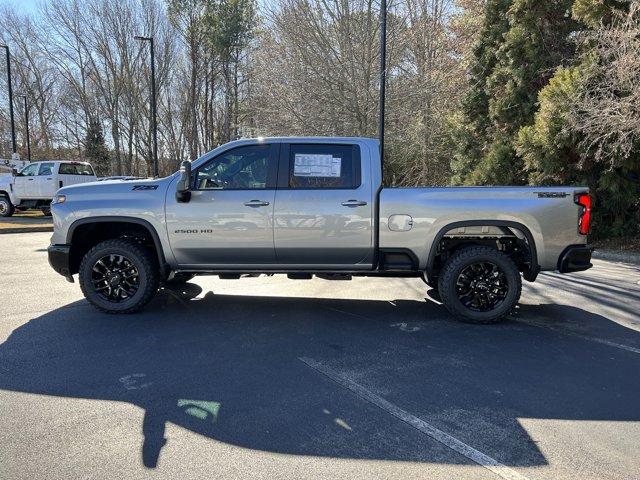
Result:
[
  {"x": 448, "y": 278},
  {"x": 148, "y": 273},
  {"x": 6, "y": 207}
]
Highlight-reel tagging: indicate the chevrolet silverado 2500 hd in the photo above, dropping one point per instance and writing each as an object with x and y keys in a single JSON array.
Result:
[{"x": 313, "y": 206}]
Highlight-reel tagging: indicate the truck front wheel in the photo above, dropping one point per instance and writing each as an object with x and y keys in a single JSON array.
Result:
[
  {"x": 6, "y": 207},
  {"x": 119, "y": 276},
  {"x": 480, "y": 285}
]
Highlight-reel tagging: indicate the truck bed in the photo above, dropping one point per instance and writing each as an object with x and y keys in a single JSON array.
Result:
[{"x": 548, "y": 214}]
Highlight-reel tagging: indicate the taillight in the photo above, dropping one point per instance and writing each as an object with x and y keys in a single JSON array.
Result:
[{"x": 584, "y": 222}]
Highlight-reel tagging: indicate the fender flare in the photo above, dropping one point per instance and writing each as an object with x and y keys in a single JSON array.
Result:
[
  {"x": 529, "y": 275},
  {"x": 138, "y": 221}
]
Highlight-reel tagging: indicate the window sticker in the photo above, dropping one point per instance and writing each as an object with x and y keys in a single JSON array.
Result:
[{"x": 316, "y": 165}]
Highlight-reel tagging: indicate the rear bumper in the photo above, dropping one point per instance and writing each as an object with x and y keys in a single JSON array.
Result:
[
  {"x": 575, "y": 258},
  {"x": 59, "y": 260}
]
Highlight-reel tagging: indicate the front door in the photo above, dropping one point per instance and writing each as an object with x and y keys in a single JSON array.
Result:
[
  {"x": 24, "y": 184},
  {"x": 228, "y": 223},
  {"x": 324, "y": 208}
]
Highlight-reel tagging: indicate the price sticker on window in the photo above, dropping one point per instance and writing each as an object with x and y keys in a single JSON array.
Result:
[{"x": 316, "y": 165}]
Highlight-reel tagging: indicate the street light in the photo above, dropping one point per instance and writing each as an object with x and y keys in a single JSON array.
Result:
[
  {"x": 26, "y": 121},
  {"x": 13, "y": 125},
  {"x": 154, "y": 125},
  {"x": 383, "y": 76}
]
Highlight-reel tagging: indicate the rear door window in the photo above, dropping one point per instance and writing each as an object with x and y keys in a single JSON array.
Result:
[
  {"x": 46, "y": 168},
  {"x": 75, "y": 169},
  {"x": 325, "y": 166}
]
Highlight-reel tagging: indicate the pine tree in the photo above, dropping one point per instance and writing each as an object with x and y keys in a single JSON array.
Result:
[
  {"x": 96, "y": 151},
  {"x": 575, "y": 138},
  {"x": 523, "y": 42}
]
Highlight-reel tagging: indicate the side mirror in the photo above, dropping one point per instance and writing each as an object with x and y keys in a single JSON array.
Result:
[{"x": 183, "y": 187}]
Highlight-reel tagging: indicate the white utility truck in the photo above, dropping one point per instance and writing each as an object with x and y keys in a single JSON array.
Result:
[{"x": 34, "y": 186}]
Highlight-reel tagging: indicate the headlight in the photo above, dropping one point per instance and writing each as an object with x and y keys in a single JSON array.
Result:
[{"x": 59, "y": 199}]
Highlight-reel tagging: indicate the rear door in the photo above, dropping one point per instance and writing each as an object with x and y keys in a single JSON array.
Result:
[
  {"x": 228, "y": 223},
  {"x": 72, "y": 173},
  {"x": 323, "y": 216},
  {"x": 45, "y": 181}
]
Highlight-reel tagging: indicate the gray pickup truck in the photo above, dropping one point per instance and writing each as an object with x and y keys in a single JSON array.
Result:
[{"x": 313, "y": 206}]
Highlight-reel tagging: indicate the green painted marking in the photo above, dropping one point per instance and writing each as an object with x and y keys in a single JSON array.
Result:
[{"x": 200, "y": 409}]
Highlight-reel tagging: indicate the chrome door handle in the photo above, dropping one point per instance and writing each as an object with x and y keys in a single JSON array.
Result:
[
  {"x": 354, "y": 203},
  {"x": 256, "y": 203}
]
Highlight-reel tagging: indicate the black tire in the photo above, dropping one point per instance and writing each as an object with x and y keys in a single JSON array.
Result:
[
  {"x": 180, "y": 278},
  {"x": 471, "y": 289},
  {"x": 137, "y": 259},
  {"x": 6, "y": 207}
]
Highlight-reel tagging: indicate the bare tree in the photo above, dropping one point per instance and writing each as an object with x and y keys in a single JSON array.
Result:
[{"x": 607, "y": 111}]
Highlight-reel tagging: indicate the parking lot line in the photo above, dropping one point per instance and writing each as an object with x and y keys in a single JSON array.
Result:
[
  {"x": 419, "y": 424},
  {"x": 578, "y": 335}
]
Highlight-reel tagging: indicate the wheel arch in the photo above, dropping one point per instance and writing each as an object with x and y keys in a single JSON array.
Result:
[
  {"x": 530, "y": 274},
  {"x": 88, "y": 222}
]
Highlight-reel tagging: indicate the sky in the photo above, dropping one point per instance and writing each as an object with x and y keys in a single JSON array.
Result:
[{"x": 22, "y": 6}]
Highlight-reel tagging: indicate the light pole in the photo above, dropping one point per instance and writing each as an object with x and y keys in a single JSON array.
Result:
[
  {"x": 26, "y": 121},
  {"x": 383, "y": 75},
  {"x": 13, "y": 125},
  {"x": 154, "y": 124}
]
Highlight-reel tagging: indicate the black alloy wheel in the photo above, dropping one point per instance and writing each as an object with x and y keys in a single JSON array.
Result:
[
  {"x": 479, "y": 284},
  {"x": 115, "y": 278},
  {"x": 119, "y": 275},
  {"x": 482, "y": 286}
]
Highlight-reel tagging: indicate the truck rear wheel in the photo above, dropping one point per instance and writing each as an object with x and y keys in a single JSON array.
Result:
[
  {"x": 480, "y": 285},
  {"x": 119, "y": 276},
  {"x": 6, "y": 207}
]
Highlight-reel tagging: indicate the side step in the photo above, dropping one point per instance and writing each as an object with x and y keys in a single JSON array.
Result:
[
  {"x": 334, "y": 276},
  {"x": 299, "y": 276}
]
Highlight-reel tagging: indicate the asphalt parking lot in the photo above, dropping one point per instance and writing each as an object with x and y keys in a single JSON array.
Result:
[{"x": 275, "y": 378}]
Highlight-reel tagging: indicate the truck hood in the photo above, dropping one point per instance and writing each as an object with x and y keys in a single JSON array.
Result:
[{"x": 118, "y": 188}]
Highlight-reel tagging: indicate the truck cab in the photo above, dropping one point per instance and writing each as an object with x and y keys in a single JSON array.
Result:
[{"x": 34, "y": 185}]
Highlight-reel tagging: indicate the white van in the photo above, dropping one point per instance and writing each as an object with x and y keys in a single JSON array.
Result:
[{"x": 34, "y": 186}]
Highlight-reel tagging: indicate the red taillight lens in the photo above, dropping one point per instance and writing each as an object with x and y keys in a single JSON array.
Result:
[{"x": 584, "y": 223}]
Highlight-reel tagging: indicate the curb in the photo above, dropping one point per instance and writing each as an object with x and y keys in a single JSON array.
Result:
[
  {"x": 613, "y": 256},
  {"x": 44, "y": 228}
]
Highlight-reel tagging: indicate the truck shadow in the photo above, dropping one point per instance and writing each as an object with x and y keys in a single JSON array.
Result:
[{"x": 227, "y": 367}]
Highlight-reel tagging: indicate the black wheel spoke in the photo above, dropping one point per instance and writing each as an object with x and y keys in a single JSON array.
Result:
[
  {"x": 115, "y": 278},
  {"x": 481, "y": 286}
]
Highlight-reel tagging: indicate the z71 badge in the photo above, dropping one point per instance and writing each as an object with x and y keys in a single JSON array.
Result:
[
  {"x": 552, "y": 194},
  {"x": 145, "y": 187}
]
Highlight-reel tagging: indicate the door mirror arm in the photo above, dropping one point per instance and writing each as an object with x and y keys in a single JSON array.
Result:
[{"x": 183, "y": 188}]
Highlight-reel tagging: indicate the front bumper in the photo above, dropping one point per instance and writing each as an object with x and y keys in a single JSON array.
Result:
[
  {"x": 575, "y": 258},
  {"x": 59, "y": 260}
]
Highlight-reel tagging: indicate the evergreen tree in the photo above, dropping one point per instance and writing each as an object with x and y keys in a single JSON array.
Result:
[
  {"x": 96, "y": 151},
  {"x": 522, "y": 44},
  {"x": 471, "y": 126},
  {"x": 580, "y": 131}
]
